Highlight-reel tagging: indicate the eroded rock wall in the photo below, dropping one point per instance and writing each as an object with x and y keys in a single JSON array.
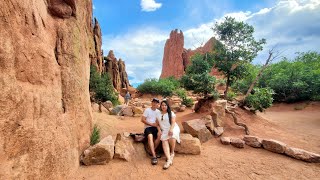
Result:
[{"x": 45, "y": 113}]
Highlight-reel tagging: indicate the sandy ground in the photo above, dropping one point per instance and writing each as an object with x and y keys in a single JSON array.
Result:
[{"x": 297, "y": 128}]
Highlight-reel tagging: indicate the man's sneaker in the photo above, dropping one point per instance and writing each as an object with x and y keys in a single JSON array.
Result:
[
  {"x": 154, "y": 160},
  {"x": 167, "y": 164}
]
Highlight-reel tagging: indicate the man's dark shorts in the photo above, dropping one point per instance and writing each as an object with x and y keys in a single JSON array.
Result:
[{"x": 151, "y": 130}]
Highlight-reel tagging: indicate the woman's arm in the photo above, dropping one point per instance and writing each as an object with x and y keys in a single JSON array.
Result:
[{"x": 173, "y": 122}]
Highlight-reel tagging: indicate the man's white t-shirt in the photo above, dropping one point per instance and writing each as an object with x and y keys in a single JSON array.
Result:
[{"x": 151, "y": 116}]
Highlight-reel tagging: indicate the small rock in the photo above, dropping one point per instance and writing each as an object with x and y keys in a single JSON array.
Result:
[
  {"x": 252, "y": 141},
  {"x": 188, "y": 145},
  {"x": 274, "y": 146},
  {"x": 237, "y": 142},
  {"x": 218, "y": 131},
  {"x": 225, "y": 140},
  {"x": 303, "y": 155},
  {"x": 182, "y": 108}
]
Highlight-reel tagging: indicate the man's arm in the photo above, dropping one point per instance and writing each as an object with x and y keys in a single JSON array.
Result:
[{"x": 144, "y": 120}]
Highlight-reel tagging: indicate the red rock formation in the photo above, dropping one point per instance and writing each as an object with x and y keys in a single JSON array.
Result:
[
  {"x": 97, "y": 57},
  {"x": 172, "y": 63},
  {"x": 176, "y": 59},
  {"x": 117, "y": 71},
  {"x": 45, "y": 112},
  {"x": 123, "y": 74}
]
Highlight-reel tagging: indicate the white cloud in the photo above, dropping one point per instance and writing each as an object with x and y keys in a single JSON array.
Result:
[
  {"x": 93, "y": 7},
  {"x": 141, "y": 50},
  {"x": 150, "y": 5},
  {"x": 289, "y": 25}
]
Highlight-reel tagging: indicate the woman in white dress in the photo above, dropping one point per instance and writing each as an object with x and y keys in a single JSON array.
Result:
[{"x": 170, "y": 132}]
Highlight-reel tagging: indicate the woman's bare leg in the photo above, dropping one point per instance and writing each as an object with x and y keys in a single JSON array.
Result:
[
  {"x": 166, "y": 149},
  {"x": 172, "y": 142}
]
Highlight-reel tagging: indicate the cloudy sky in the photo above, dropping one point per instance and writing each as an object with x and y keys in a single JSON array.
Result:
[{"x": 137, "y": 29}]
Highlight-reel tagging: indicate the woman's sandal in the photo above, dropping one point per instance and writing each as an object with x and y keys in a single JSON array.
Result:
[{"x": 154, "y": 160}]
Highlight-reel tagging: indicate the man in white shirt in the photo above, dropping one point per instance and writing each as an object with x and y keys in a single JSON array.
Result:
[{"x": 151, "y": 132}]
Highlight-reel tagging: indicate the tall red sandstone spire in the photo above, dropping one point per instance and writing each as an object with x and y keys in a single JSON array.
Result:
[
  {"x": 176, "y": 58},
  {"x": 172, "y": 63}
]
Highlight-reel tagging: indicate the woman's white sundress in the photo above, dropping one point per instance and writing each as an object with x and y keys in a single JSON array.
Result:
[{"x": 165, "y": 127}]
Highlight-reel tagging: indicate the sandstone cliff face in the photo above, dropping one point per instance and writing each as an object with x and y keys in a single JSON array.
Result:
[
  {"x": 117, "y": 71},
  {"x": 172, "y": 63},
  {"x": 45, "y": 112},
  {"x": 176, "y": 59}
]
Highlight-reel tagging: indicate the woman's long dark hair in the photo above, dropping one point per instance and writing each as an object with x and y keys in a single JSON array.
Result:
[{"x": 168, "y": 110}]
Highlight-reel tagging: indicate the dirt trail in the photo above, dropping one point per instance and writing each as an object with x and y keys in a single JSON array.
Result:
[{"x": 219, "y": 161}]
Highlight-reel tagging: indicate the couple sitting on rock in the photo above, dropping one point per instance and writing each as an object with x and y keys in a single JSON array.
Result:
[{"x": 161, "y": 125}]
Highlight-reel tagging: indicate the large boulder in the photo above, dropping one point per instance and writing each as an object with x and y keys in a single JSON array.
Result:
[
  {"x": 197, "y": 128},
  {"x": 124, "y": 147},
  {"x": 137, "y": 110},
  {"x": 116, "y": 110},
  {"x": 207, "y": 120},
  {"x": 100, "y": 153},
  {"x": 127, "y": 111},
  {"x": 302, "y": 155},
  {"x": 274, "y": 146},
  {"x": 188, "y": 145},
  {"x": 252, "y": 141}
]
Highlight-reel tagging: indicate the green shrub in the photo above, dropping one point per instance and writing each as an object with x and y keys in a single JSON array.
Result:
[
  {"x": 181, "y": 93},
  {"x": 164, "y": 87},
  {"x": 221, "y": 82},
  {"x": 294, "y": 80},
  {"x": 231, "y": 95},
  {"x": 102, "y": 87},
  {"x": 187, "y": 101},
  {"x": 95, "y": 135},
  {"x": 197, "y": 77},
  {"x": 260, "y": 100}
]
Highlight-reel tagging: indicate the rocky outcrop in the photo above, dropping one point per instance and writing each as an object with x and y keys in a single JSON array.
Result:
[
  {"x": 172, "y": 63},
  {"x": 45, "y": 113},
  {"x": 97, "y": 56},
  {"x": 117, "y": 72},
  {"x": 176, "y": 59}
]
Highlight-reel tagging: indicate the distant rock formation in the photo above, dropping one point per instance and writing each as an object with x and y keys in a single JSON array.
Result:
[
  {"x": 172, "y": 63},
  {"x": 45, "y": 111},
  {"x": 176, "y": 59},
  {"x": 97, "y": 55},
  {"x": 117, "y": 71}
]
